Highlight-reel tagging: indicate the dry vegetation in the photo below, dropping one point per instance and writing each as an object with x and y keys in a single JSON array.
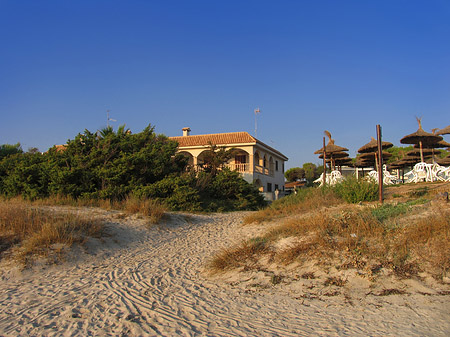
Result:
[
  {"x": 404, "y": 238},
  {"x": 35, "y": 231},
  {"x": 31, "y": 229},
  {"x": 312, "y": 199},
  {"x": 152, "y": 209}
]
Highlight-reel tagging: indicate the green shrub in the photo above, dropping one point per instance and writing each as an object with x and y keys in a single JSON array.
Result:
[
  {"x": 354, "y": 190},
  {"x": 387, "y": 211}
]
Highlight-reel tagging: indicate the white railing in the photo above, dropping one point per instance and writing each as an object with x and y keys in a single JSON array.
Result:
[{"x": 240, "y": 167}]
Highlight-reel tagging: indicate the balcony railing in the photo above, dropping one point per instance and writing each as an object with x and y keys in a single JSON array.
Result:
[
  {"x": 245, "y": 167},
  {"x": 240, "y": 167},
  {"x": 264, "y": 170}
]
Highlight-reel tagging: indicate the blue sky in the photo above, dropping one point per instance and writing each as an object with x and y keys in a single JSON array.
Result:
[{"x": 343, "y": 66}]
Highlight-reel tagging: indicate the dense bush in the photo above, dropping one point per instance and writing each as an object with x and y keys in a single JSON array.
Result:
[
  {"x": 110, "y": 165},
  {"x": 354, "y": 190},
  {"x": 224, "y": 191}
]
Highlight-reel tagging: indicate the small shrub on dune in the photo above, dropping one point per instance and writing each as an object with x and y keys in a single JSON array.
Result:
[
  {"x": 37, "y": 230},
  {"x": 355, "y": 238},
  {"x": 148, "y": 207},
  {"x": 354, "y": 190},
  {"x": 306, "y": 199},
  {"x": 243, "y": 255}
]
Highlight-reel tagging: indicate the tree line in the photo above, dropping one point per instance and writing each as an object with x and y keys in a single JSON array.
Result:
[{"x": 113, "y": 165}]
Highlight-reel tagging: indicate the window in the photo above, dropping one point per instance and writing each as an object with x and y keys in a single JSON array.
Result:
[
  {"x": 283, "y": 167},
  {"x": 240, "y": 159},
  {"x": 269, "y": 187},
  {"x": 276, "y": 187},
  {"x": 276, "y": 165}
]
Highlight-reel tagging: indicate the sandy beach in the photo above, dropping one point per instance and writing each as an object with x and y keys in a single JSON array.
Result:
[{"x": 151, "y": 281}]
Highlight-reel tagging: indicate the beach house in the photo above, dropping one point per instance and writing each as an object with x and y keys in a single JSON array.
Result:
[{"x": 258, "y": 163}]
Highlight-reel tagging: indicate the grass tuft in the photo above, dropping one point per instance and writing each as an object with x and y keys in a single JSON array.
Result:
[
  {"x": 355, "y": 237},
  {"x": 37, "y": 231}
]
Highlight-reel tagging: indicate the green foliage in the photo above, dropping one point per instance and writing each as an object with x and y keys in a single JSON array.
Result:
[
  {"x": 294, "y": 174},
  {"x": 312, "y": 172},
  {"x": 225, "y": 191},
  {"x": 110, "y": 165},
  {"x": 354, "y": 190},
  {"x": 8, "y": 150},
  {"x": 388, "y": 211},
  {"x": 398, "y": 152},
  {"x": 25, "y": 174},
  {"x": 114, "y": 165},
  {"x": 215, "y": 158},
  {"x": 229, "y": 191}
]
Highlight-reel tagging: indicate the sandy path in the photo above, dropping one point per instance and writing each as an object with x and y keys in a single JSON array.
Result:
[{"x": 144, "y": 282}]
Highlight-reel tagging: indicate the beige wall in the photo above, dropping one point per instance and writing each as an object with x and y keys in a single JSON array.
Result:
[{"x": 255, "y": 170}]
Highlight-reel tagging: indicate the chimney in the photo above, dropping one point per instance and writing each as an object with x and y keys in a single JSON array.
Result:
[{"x": 186, "y": 132}]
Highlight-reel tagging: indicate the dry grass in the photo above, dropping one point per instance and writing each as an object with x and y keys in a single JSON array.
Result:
[
  {"x": 353, "y": 237},
  {"x": 37, "y": 231},
  {"x": 131, "y": 205},
  {"x": 305, "y": 201},
  {"x": 246, "y": 254},
  {"x": 148, "y": 207}
]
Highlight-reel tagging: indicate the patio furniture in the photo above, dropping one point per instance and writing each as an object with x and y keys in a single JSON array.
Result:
[{"x": 443, "y": 174}]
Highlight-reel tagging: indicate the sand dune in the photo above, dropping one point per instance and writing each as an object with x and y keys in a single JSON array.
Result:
[{"x": 150, "y": 282}]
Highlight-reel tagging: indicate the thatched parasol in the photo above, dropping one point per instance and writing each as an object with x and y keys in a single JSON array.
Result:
[
  {"x": 336, "y": 155},
  {"x": 341, "y": 161},
  {"x": 331, "y": 148},
  {"x": 420, "y": 137},
  {"x": 372, "y": 156},
  {"x": 444, "y": 131},
  {"x": 439, "y": 145},
  {"x": 444, "y": 161},
  {"x": 363, "y": 163},
  {"x": 402, "y": 163},
  {"x": 372, "y": 146},
  {"x": 425, "y": 152}
]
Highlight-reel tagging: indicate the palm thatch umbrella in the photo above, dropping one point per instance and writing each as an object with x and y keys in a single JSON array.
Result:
[
  {"x": 444, "y": 161},
  {"x": 420, "y": 137},
  {"x": 373, "y": 157},
  {"x": 439, "y": 145},
  {"x": 402, "y": 163},
  {"x": 362, "y": 163},
  {"x": 444, "y": 131},
  {"x": 422, "y": 153},
  {"x": 331, "y": 148},
  {"x": 372, "y": 146},
  {"x": 336, "y": 155},
  {"x": 341, "y": 161}
]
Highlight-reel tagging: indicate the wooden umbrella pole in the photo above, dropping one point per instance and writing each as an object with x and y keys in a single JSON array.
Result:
[
  {"x": 324, "y": 164},
  {"x": 421, "y": 151},
  {"x": 380, "y": 164}
]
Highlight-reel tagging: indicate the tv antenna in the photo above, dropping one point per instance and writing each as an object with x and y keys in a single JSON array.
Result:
[
  {"x": 257, "y": 112},
  {"x": 109, "y": 119}
]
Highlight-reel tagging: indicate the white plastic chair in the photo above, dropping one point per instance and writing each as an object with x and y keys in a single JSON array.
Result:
[
  {"x": 420, "y": 172},
  {"x": 432, "y": 170},
  {"x": 443, "y": 174},
  {"x": 335, "y": 177}
]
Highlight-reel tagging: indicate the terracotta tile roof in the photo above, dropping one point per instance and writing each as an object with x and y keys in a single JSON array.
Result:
[
  {"x": 216, "y": 139},
  {"x": 221, "y": 139},
  {"x": 60, "y": 148}
]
